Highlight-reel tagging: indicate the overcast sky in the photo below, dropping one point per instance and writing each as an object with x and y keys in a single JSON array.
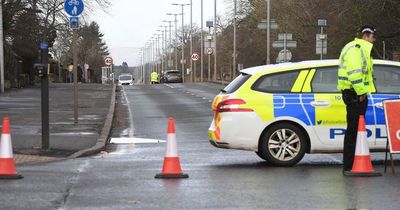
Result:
[{"x": 130, "y": 23}]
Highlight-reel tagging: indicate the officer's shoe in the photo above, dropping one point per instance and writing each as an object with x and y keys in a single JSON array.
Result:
[{"x": 347, "y": 173}]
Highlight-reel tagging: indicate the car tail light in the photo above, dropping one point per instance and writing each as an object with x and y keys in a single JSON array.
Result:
[{"x": 232, "y": 105}]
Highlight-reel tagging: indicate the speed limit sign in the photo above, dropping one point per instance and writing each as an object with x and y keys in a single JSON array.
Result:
[
  {"x": 195, "y": 57},
  {"x": 210, "y": 51},
  {"x": 108, "y": 61}
]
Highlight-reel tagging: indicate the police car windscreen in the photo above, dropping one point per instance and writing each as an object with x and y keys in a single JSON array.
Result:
[
  {"x": 126, "y": 77},
  {"x": 236, "y": 83}
]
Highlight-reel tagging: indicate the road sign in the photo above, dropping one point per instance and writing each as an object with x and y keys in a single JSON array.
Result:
[
  {"x": 74, "y": 7},
  {"x": 392, "y": 116},
  {"x": 321, "y": 43},
  {"x": 284, "y": 56},
  {"x": 264, "y": 24},
  {"x": 281, "y": 44},
  {"x": 44, "y": 45},
  {"x": 195, "y": 57},
  {"x": 210, "y": 51},
  {"x": 282, "y": 36},
  {"x": 108, "y": 61},
  {"x": 73, "y": 22}
]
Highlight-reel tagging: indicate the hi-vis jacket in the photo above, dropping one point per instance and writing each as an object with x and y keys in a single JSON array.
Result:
[
  {"x": 154, "y": 77},
  {"x": 356, "y": 68}
]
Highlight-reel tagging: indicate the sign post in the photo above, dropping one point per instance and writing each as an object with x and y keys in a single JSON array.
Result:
[
  {"x": 44, "y": 51},
  {"x": 195, "y": 57},
  {"x": 74, "y": 8},
  {"x": 392, "y": 117}
]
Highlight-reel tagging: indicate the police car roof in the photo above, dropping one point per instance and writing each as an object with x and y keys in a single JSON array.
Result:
[{"x": 303, "y": 65}]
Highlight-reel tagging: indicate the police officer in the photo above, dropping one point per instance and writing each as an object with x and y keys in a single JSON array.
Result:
[
  {"x": 355, "y": 80},
  {"x": 154, "y": 77}
]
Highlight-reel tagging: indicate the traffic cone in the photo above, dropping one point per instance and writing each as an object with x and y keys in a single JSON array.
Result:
[
  {"x": 7, "y": 167},
  {"x": 172, "y": 166},
  {"x": 362, "y": 165}
]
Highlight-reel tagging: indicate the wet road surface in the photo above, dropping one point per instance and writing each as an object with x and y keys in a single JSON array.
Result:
[{"x": 123, "y": 177}]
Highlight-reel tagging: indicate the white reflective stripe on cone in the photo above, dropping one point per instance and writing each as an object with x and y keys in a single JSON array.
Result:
[
  {"x": 171, "y": 146},
  {"x": 362, "y": 144},
  {"x": 6, "y": 146}
]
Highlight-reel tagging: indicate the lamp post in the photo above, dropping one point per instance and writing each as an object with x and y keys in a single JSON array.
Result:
[
  {"x": 176, "y": 37},
  {"x": 202, "y": 45},
  {"x": 215, "y": 40},
  {"x": 1, "y": 51},
  {"x": 234, "y": 41},
  {"x": 183, "y": 39},
  {"x": 191, "y": 40},
  {"x": 170, "y": 42}
]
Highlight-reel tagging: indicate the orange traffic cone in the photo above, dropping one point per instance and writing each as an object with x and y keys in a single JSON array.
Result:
[
  {"x": 172, "y": 166},
  {"x": 362, "y": 165},
  {"x": 7, "y": 167}
]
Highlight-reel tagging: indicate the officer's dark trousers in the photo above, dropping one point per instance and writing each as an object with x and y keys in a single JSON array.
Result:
[{"x": 354, "y": 109}]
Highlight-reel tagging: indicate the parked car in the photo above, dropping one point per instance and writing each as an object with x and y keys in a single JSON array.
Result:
[
  {"x": 286, "y": 110},
  {"x": 172, "y": 76}
]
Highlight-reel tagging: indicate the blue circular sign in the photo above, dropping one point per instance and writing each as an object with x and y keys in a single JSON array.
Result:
[{"x": 74, "y": 7}]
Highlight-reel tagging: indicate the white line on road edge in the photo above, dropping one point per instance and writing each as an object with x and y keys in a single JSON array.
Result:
[
  {"x": 135, "y": 141},
  {"x": 169, "y": 86},
  {"x": 131, "y": 128}
]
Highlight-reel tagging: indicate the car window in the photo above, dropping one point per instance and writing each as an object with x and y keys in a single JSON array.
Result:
[
  {"x": 173, "y": 73},
  {"x": 125, "y": 78},
  {"x": 281, "y": 82},
  {"x": 325, "y": 80},
  {"x": 387, "y": 79},
  {"x": 236, "y": 83}
]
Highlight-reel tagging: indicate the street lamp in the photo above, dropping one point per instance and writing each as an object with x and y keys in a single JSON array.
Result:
[
  {"x": 183, "y": 41},
  {"x": 1, "y": 51},
  {"x": 170, "y": 43},
  {"x": 234, "y": 41},
  {"x": 215, "y": 40},
  {"x": 176, "y": 37}
]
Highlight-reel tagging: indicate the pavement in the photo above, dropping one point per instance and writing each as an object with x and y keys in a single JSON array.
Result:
[
  {"x": 23, "y": 107},
  {"x": 122, "y": 177}
]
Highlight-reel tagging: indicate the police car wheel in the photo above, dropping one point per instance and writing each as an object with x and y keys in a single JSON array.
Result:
[{"x": 283, "y": 145}]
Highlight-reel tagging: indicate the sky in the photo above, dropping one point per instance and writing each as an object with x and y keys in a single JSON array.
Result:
[{"x": 129, "y": 24}]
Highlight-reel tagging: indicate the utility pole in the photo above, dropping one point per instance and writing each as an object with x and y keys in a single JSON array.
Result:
[
  {"x": 183, "y": 39},
  {"x": 193, "y": 78},
  {"x": 268, "y": 32},
  {"x": 75, "y": 61},
  {"x": 215, "y": 40},
  {"x": 234, "y": 41},
  {"x": 176, "y": 37},
  {"x": 201, "y": 46},
  {"x": 1, "y": 50},
  {"x": 167, "y": 47}
]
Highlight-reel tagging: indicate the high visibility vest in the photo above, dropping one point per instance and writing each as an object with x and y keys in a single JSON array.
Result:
[
  {"x": 154, "y": 77},
  {"x": 356, "y": 67}
]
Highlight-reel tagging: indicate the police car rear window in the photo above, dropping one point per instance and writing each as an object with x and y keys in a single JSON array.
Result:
[
  {"x": 276, "y": 83},
  {"x": 236, "y": 83}
]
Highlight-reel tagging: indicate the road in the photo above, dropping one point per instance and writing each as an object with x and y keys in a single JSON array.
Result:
[{"x": 123, "y": 177}]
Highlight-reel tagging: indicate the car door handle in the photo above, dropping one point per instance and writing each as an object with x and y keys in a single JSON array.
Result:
[
  {"x": 379, "y": 105},
  {"x": 320, "y": 103}
]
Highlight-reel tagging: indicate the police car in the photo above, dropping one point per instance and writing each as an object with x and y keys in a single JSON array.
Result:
[{"x": 286, "y": 110}]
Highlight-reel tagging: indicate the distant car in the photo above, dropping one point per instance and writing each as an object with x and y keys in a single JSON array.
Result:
[
  {"x": 125, "y": 79},
  {"x": 172, "y": 76}
]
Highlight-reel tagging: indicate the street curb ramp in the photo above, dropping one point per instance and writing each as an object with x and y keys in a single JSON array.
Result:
[{"x": 105, "y": 132}]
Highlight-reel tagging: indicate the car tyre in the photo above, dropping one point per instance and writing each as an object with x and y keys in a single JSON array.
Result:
[{"x": 283, "y": 144}]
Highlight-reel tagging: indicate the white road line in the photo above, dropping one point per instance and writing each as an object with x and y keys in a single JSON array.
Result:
[
  {"x": 168, "y": 85},
  {"x": 132, "y": 129}
]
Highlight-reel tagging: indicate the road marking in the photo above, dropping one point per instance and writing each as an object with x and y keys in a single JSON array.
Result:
[
  {"x": 131, "y": 128},
  {"x": 169, "y": 86},
  {"x": 125, "y": 140}
]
